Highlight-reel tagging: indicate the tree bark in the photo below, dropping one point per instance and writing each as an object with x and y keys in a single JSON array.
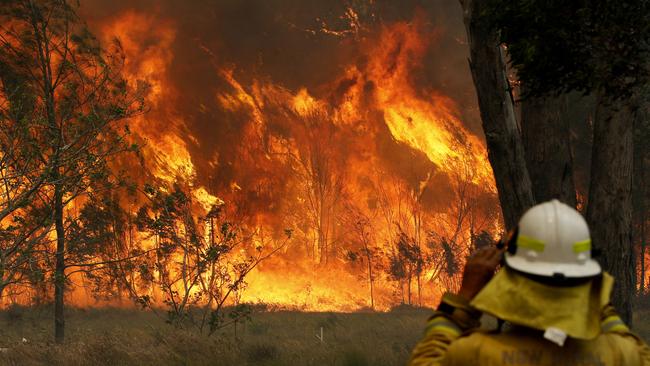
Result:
[
  {"x": 609, "y": 210},
  {"x": 505, "y": 148},
  {"x": 59, "y": 272},
  {"x": 546, "y": 139},
  {"x": 640, "y": 190}
]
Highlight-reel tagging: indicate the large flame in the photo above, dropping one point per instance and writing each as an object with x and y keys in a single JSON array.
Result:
[
  {"x": 308, "y": 157},
  {"x": 427, "y": 123}
]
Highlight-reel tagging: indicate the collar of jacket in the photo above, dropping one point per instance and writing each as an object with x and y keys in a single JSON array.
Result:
[{"x": 574, "y": 310}]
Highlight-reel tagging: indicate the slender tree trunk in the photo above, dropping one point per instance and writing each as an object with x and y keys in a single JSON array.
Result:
[
  {"x": 505, "y": 148},
  {"x": 409, "y": 288},
  {"x": 371, "y": 280},
  {"x": 45, "y": 64},
  {"x": 546, "y": 138},
  {"x": 418, "y": 226},
  {"x": 609, "y": 210},
  {"x": 211, "y": 230},
  {"x": 322, "y": 245},
  {"x": 59, "y": 272},
  {"x": 419, "y": 284}
]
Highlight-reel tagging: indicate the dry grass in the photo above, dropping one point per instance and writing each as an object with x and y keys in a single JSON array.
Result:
[{"x": 127, "y": 337}]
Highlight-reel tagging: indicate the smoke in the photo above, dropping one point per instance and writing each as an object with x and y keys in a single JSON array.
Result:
[{"x": 286, "y": 42}]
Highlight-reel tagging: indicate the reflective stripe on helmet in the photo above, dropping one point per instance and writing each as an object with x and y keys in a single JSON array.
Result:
[
  {"x": 530, "y": 243},
  {"x": 582, "y": 246}
]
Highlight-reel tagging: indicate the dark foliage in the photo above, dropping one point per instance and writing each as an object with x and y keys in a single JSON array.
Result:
[{"x": 560, "y": 46}]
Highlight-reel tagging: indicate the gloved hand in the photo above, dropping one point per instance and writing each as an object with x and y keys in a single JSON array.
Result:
[{"x": 479, "y": 269}]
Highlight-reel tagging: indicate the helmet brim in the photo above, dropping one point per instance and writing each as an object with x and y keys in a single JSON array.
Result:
[{"x": 570, "y": 270}]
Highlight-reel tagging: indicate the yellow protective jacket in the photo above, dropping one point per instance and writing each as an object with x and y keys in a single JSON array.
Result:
[{"x": 454, "y": 338}]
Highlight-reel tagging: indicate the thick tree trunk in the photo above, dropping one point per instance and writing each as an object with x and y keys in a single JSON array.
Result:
[
  {"x": 505, "y": 148},
  {"x": 609, "y": 210},
  {"x": 546, "y": 138},
  {"x": 640, "y": 190},
  {"x": 59, "y": 272}
]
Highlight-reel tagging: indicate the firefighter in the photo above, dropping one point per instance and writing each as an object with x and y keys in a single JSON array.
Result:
[{"x": 551, "y": 299}]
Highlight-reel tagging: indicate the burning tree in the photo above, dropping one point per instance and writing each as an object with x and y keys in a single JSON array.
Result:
[
  {"x": 101, "y": 247},
  {"x": 318, "y": 169},
  {"x": 77, "y": 98},
  {"x": 201, "y": 263},
  {"x": 406, "y": 263},
  {"x": 403, "y": 221},
  {"x": 364, "y": 249},
  {"x": 447, "y": 264}
]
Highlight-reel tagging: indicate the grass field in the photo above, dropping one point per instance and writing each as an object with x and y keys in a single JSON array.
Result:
[{"x": 130, "y": 337}]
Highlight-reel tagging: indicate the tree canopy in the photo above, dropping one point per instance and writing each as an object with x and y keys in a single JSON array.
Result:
[{"x": 561, "y": 46}]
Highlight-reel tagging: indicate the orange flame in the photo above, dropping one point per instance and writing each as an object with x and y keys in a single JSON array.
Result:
[{"x": 378, "y": 95}]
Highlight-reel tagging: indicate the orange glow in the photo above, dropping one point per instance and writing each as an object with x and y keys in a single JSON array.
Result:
[{"x": 321, "y": 151}]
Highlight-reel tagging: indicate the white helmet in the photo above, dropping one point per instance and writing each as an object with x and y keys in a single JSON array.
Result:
[{"x": 553, "y": 240}]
